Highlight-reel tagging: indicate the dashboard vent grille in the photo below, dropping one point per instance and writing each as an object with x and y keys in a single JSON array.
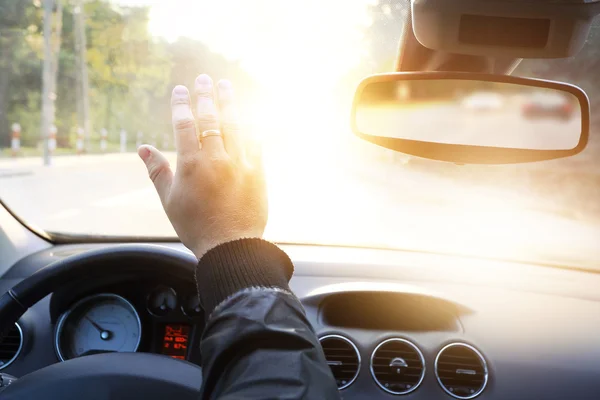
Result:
[
  {"x": 397, "y": 366},
  {"x": 10, "y": 346},
  {"x": 461, "y": 370},
  {"x": 343, "y": 359}
]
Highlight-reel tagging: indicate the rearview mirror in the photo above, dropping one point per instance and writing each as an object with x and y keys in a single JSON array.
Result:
[{"x": 472, "y": 118}]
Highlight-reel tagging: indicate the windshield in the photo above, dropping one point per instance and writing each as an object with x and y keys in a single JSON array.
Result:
[{"x": 109, "y": 67}]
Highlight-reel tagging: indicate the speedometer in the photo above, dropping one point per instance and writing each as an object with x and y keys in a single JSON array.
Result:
[{"x": 102, "y": 323}]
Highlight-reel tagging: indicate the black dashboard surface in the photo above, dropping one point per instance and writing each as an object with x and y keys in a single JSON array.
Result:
[{"x": 535, "y": 327}]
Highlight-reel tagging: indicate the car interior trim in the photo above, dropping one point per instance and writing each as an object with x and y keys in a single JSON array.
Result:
[
  {"x": 483, "y": 362},
  {"x": 411, "y": 344},
  {"x": 335, "y": 336},
  {"x": 20, "y": 330}
]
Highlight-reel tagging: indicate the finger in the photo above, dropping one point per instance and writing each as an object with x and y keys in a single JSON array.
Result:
[
  {"x": 206, "y": 116},
  {"x": 229, "y": 121},
  {"x": 184, "y": 127},
  {"x": 159, "y": 170}
]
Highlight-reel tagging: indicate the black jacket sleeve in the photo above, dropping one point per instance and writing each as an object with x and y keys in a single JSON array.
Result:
[{"x": 258, "y": 343}]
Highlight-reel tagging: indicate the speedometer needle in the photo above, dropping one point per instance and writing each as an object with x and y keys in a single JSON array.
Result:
[{"x": 104, "y": 334}]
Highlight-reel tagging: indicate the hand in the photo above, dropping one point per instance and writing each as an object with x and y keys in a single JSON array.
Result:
[{"x": 218, "y": 192}]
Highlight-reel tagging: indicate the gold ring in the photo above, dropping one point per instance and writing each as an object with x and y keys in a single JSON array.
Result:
[{"x": 210, "y": 132}]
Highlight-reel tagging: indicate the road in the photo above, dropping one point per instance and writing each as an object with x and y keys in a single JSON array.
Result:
[
  {"x": 340, "y": 202},
  {"x": 449, "y": 123}
]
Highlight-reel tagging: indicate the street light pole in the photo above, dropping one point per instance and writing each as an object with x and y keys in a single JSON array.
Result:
[
  {"x": 47, "y": 96},
  {"x": 52, "y": 41},
  {"x": 81, "y": 52}
]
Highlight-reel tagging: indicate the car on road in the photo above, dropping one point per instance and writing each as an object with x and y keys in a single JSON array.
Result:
[
  {"x": 483, "y": 101},
  {"x": 545, "y": 105}
]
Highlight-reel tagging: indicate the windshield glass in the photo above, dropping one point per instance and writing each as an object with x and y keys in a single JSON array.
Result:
[{"x": 109, "y": 67}]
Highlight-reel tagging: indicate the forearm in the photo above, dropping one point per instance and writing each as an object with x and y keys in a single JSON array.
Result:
[{"x": 258, "y": 342}]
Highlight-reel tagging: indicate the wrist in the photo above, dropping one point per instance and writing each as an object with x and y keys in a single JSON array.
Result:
[{"x": 201, "y": 247}]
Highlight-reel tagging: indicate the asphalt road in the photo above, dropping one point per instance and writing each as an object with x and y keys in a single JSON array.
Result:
[
  {"x": 311, "y": 201},
  {"x": 450, "y": 123}
]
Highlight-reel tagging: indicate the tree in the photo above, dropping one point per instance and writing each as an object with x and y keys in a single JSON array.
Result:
[
  {"x": 12, "y": 19},
  {"x": 131, "y": 73}
]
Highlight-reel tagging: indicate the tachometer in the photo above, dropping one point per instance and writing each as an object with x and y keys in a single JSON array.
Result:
[{"x": 101, "y": 323}]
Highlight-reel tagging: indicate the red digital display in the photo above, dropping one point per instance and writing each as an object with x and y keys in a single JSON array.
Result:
[{"x": 175, "y": 341}]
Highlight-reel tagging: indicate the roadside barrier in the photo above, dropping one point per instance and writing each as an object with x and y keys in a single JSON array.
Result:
[
  {"x": 52, "y": 139},
  {"x": 15, "y": 142},
  {"x": 103, "y": 139},
  {"x": 123, "y": 137},
  {"x": 79, "y": 144}
]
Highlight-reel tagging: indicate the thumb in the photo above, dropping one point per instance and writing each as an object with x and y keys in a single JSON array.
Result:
[{"x": 159, "y": 170}]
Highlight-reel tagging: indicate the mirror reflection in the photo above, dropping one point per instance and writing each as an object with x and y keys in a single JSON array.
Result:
[{"x": 470, "y": 112}]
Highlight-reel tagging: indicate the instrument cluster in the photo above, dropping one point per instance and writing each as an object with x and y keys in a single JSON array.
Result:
[{"x": 153, "y": 318}]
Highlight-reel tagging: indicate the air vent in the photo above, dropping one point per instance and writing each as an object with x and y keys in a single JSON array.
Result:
[
  {"x": 343, "y": 359},
  {"x": 10, "y": 346},
  {"x": 397, "y": 366},
  {"x": 461, "y": 370}
]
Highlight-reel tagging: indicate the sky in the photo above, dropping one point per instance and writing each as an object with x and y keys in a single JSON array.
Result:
[{"x": 318, "y": 39}]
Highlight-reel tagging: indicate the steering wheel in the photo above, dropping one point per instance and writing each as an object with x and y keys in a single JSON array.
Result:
[{"x": 102, "y": 376}]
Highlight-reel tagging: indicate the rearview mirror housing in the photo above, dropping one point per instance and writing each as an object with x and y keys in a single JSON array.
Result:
[
  {"x": 504, "y": 28},
  {"x": 469, "y": 118}
]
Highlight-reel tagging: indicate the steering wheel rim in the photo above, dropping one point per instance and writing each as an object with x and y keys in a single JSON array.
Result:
[
  {"x": 110, "y": 376},
  {"x": 124, "y": 259},
  {"x": 142, "y": 259}
]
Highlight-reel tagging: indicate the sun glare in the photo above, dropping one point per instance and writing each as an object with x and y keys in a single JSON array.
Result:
[
  {"x": 320, "y": 40},
  {"x": 297, "y": 52}
]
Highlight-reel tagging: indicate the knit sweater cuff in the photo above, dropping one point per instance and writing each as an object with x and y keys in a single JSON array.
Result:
[{"x": 240, "y": 264}]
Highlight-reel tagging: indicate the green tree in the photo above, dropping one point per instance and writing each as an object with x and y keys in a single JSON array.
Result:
[{"x": 20, "y": 70}]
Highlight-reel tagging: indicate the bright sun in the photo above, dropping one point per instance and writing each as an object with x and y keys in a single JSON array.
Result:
[
  {"x": 273, "y": 39},
  {"x": 297, "y": 51}
]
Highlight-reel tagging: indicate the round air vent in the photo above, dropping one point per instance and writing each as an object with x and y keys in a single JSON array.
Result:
[
  {"x": 397, "y": 366},
  {"x": 461, "y": 370},
  {"x": 10, "y": 346},
  {"x": 343, "y": 359}
]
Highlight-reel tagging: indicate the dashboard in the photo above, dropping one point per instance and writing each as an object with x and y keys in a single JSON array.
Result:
[
  {"x": 129, "y": 316},
  {"x": 391, "y": 323}
]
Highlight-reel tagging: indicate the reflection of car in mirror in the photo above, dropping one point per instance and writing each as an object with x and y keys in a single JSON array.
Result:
[
  {"x": 483, "y": 101},
  {"x": 547, "y": 105}
]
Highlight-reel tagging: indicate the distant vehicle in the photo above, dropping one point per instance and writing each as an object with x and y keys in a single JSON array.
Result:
[
  {"x": 544, "y": 105},
  {"x": 483, "y": 101}
]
